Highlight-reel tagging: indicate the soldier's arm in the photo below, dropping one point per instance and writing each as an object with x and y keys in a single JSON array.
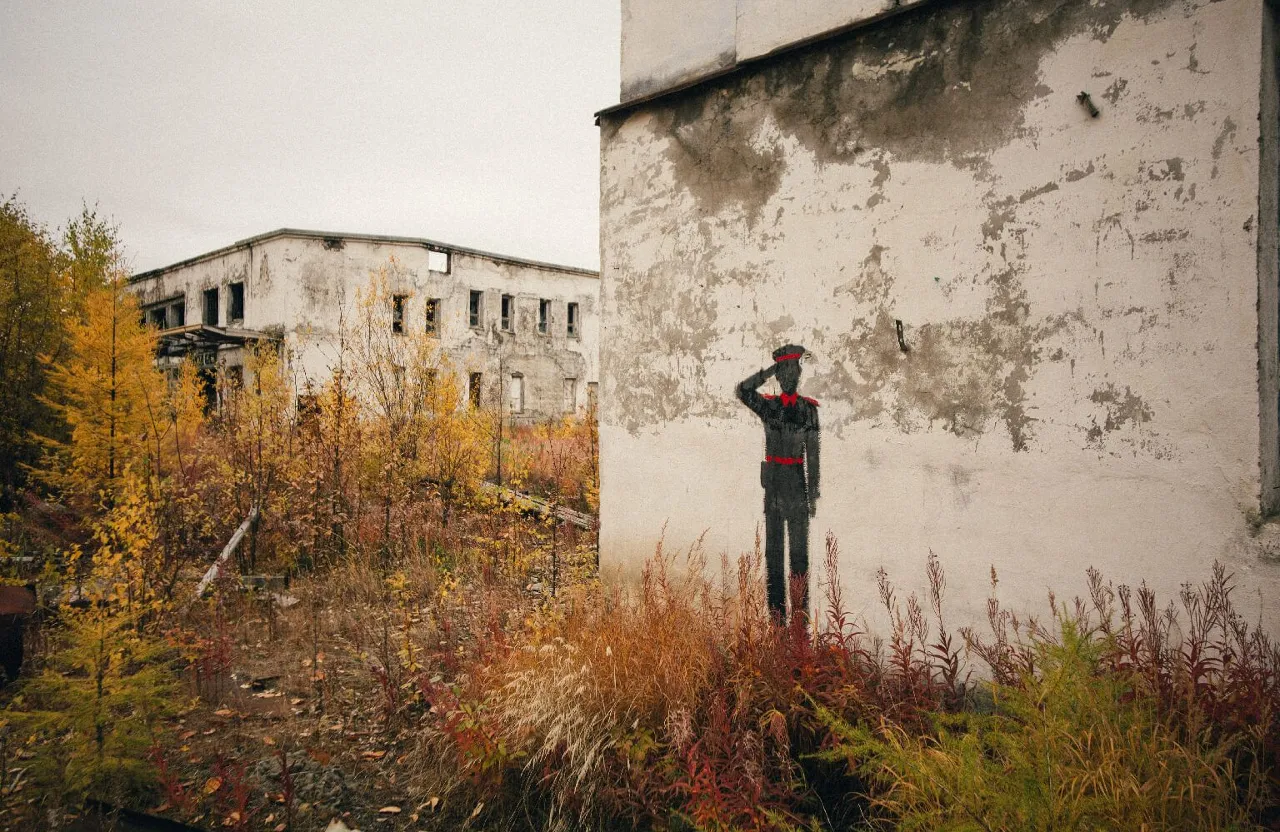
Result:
[
  {"x": 748, "y": 392},
  {"x": 812, "y": 445}
]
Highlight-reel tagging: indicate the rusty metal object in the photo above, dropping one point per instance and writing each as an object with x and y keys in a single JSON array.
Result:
[
  {"x": 17, "y": 600},
  {"x": 17, "y": 604}
]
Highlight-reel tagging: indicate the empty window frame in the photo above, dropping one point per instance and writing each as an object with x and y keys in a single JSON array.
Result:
[
  {"x": 570, "y": 395},
  {"x": 432, "y": 316},
  {"x": 438, "y": 261},
  {"x": 158, "y": 317},
  {"x": 544, "y": 315},
  {"x": 178, "y": 312},
  {"x": 235, "y": 302},
  {"x": 475, "y": 310},
  {"x": 399, "y": 303},
  {"x": 211, "y": 307},
  {"x": 508, "y": 312},
  {"x": 474, "y": 386},
  {"x": 517, "y": 393},
  {"x": 207, "y": 384},
  {"x": 571, "y": 320}
]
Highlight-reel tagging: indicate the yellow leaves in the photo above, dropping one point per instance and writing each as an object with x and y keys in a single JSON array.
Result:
[
  {"x": 110, "y": 394},
  {"x": 212, "y": 785},
  {"x": 447, "y": 585}
]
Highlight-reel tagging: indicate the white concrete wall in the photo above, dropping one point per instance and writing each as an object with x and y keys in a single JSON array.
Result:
[
  {"x": 666, "y": 43},
  {"x": 297, "y": 287},
  {"x": 1079, "y": 297}
]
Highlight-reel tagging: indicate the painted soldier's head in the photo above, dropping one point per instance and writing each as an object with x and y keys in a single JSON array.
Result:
[{"x": 787, "y": 357}]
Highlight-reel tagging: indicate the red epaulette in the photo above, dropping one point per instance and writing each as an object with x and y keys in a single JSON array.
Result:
[{"x": 813, "y": 402}]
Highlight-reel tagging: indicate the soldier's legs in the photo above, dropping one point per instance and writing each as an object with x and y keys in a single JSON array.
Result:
[
  {"x": 798, "y": 549},
  {"x": 774, "y": 562}
]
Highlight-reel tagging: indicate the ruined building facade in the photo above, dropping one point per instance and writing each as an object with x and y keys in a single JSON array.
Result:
[
  {"x": 519, "y": 332},
  {"x": 1030, "y": 244}
]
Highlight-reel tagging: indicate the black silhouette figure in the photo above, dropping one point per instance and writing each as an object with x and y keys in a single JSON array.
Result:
[{"x": 789, "y": 474}]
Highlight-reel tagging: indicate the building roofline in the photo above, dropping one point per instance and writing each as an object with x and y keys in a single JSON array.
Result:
[
  {"x": 308, "y": 234},
  {"x": 747, "y": 64}
]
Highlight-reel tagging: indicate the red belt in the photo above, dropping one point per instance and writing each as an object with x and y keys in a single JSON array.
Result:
[{"x": 785, "y": 460}]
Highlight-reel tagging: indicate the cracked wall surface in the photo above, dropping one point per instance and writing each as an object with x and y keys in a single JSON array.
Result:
[{"x": 1078, "y": 295}]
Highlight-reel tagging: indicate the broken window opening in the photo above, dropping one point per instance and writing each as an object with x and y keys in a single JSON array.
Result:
[
  {"x": 211, "y": 307},
  {"x": 438, "y": 261},
  {"x": 157, "y": 317},
  {"x": 570, "y": 395},
  {"x": 473, "y": 390},
  {"x": 508, "y": 303},
  {"x": 334, "y": 244},
  {"x": 307, "y": 411},
  {"x": 235, "y": 303},
  {"x": 432, "y": 316},
  {"x": 571, "y": 321},
  {"x": 474, "y": 310},
  {"x": 178, "y": 313},
  {"x": 517, "y": 393},
  {"x": 207, "y": 383},
  {"x": 544, "y": 316},
  {"x": 398, "y": 303}
]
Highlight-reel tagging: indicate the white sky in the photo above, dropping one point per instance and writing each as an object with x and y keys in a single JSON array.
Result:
[{"x": 194, "y": 124}]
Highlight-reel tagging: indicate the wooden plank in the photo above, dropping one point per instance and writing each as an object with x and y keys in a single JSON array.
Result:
[
  {"x": 528, "y": 501},
  {"x": 227, "y": 551}
]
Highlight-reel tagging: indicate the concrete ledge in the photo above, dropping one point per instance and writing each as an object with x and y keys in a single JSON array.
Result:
[{"x": 667, "y": 49}]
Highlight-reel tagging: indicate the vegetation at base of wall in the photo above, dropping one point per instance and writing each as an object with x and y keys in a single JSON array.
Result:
[
  {"x": 683, "y": 706},
  {"x": 1067, "y": 747}
]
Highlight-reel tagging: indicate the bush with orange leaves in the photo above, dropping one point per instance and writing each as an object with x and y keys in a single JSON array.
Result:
[
  {"x": 680, "y": 704},
  {"x": 682, "y": 699},
  {"x": 559, "y": 459}
]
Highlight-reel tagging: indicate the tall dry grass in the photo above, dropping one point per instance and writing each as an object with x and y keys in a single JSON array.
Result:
[{"x": 679, "y": 703}]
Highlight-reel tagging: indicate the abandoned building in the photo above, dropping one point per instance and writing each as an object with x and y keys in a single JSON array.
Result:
[
  {"x": 1030, "y": 247},
  {"x": 517, "y": 331}
]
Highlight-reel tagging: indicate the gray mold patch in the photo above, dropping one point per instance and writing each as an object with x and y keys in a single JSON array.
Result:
[
  {"x": 714, "y": 162},
  {"x": 1122, "y": 408},
  {"x": 961, "y": 375},
  {"x": 951, "y": 81},
  {"x": 672, "y": 323},
  {"x": 948, "y": 83}
]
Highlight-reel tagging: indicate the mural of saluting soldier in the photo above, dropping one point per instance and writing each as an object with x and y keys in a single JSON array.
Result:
[{"x": 789, "y": 473}]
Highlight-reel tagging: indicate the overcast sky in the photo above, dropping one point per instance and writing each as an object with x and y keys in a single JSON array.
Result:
[{"x": 196, "y": 124}]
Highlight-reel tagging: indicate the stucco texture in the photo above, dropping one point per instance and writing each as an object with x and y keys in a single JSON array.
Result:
[{"x": 1078, "y": 297}]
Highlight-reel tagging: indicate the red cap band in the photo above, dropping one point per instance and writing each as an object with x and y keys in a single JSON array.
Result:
[{"x": 788, "y": 356}]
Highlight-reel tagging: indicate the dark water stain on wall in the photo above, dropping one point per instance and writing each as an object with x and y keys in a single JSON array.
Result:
[
  {"x": 1122, "y": 408},
  {"x": 944, "y": 83},
  {"x": 950, "y": 81}
]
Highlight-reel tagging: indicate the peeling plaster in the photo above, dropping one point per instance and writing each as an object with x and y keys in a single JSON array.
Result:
[{"x": 1078, "y": 295}]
